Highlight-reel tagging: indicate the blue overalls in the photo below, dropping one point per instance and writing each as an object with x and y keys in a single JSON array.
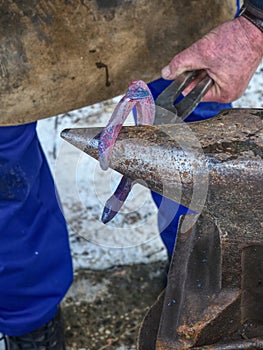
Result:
[{"x": 35, "y": 261}]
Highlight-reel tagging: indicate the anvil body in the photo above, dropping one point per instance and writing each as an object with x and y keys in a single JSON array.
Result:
[{"x": 214, "y": 167}]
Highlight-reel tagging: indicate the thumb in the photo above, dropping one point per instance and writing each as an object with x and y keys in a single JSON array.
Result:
[{"x": 186, "y": 60}]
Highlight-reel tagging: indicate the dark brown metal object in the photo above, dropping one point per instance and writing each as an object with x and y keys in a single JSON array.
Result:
[
  {"x": 214, "y": 293},
  {"x": 56, "y": 55}
]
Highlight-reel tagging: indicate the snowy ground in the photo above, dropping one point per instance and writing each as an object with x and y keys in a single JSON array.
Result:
[{"x": 133, "y": 236}]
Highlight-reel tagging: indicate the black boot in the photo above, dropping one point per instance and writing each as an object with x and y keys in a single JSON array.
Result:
[{"x": 48, "y": 337}]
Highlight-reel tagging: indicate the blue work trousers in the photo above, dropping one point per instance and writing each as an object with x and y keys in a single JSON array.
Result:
[{"x": 35, "y": 261}]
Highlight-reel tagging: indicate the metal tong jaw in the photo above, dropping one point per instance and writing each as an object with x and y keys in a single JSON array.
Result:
[{"x": 167, "y": 112}]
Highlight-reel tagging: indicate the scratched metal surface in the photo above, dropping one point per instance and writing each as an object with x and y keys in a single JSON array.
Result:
[{"x": 179, "y": 154}]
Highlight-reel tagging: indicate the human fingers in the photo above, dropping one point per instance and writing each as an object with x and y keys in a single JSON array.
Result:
[{"x": 187, "y": 60}]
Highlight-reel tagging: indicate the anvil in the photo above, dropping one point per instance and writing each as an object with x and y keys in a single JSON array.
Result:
[{"x": 214, "y": 294}]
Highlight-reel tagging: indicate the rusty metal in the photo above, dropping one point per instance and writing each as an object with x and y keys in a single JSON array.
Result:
[
  {"x": 214, "y": 293},
  {"x": 170, "y": 159},
  {"x": 56, "y": 55}
]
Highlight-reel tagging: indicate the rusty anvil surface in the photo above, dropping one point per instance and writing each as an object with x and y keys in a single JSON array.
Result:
[
  {"x": 57, "y": 56},
  {"x": 214, "y": 295}
]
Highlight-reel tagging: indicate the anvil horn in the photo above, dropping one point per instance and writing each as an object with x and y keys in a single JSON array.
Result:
[{"x": 151, "y": 155}]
